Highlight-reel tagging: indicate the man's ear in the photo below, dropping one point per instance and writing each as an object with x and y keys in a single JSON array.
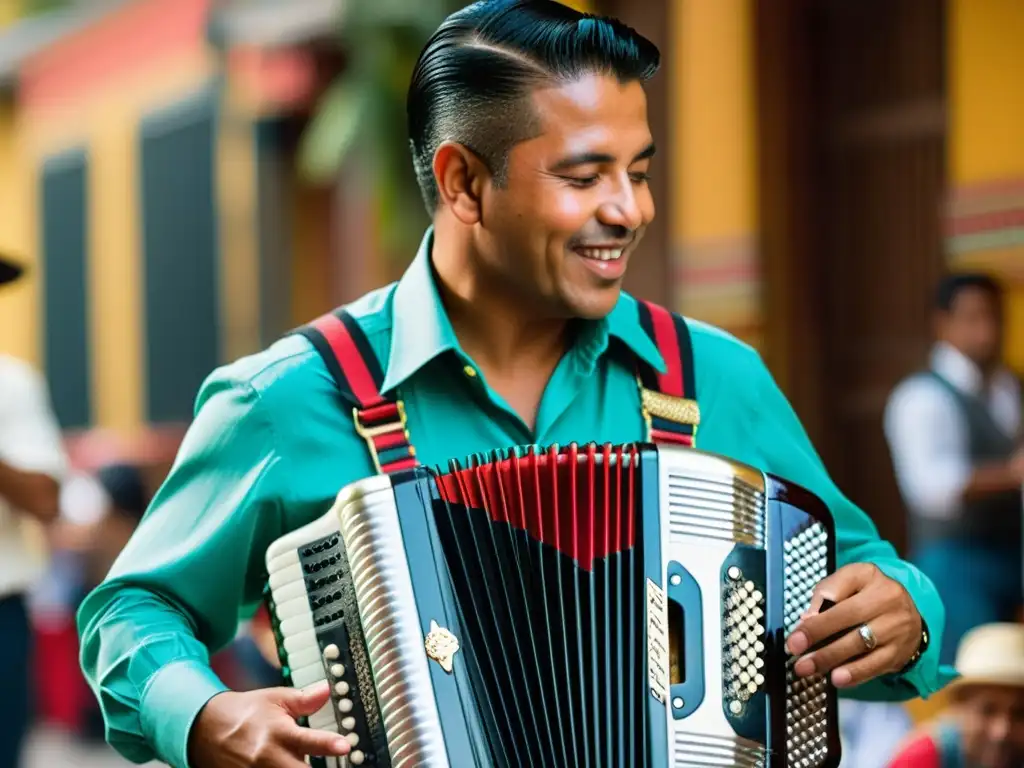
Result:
[{"x": 460, "y": 177}]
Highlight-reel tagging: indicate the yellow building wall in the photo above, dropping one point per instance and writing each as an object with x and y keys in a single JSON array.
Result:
[
  {"x": 987, "y": 105},
  {"x": 714, "y": 164},
  {"x": 986, "y": 155},
  {"x": 19, "y": 302},
  {"x": 105, "y": 121},
  {"x": 237, "y": 197},
  {"x": 10, "y": 10}
]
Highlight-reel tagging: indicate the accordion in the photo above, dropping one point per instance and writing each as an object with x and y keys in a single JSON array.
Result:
[{"x": 578, "y": 606}]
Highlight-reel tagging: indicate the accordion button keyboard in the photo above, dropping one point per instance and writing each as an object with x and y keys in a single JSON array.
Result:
[
  {"x": 309, "y": 675},
  {"x": 323, "y": 718},
  {"x": 305, "y": 581},
  {"x": 296, "y": 624},
  {"x": 300, "y": 642},
  {"x": 292, "y": 590},
  {"x": 304, "y": 657}
]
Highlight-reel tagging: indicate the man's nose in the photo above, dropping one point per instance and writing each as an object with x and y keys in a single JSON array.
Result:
[
  {"x": 622, "y": 210},
  {"x": 998, "y": 729}
]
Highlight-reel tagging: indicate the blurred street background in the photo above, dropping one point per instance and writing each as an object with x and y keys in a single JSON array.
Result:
[{"x": 185, "y": 180}]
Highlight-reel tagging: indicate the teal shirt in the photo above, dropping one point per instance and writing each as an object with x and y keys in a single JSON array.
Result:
[{"x": 272, "y": 444}]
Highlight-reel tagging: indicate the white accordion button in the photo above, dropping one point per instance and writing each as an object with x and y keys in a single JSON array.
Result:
[
  {"x": 331, "y": 652},
  {"x": 337, "y": 670},
  {"x": 356, "y": 757},
  {"x": 353, "y": 739},
  {"x": 348, "y": 723},
  {"x": 345, "y": 705},
  {"x": 341, "y": 688}
]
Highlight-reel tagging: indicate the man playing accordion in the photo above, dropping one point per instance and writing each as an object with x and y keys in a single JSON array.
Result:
[{"x": 530, "y": 139}]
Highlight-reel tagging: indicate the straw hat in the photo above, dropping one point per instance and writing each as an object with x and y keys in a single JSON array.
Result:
[
  {"x": 9, "y": 270},
  {"x": 992, "y": 654}
]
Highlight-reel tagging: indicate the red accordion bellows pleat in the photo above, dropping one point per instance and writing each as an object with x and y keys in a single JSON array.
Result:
[{"x": 569, "y": 499}]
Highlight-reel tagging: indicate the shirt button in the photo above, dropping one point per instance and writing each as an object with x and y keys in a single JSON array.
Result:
[{"x": 469, "y": 370}]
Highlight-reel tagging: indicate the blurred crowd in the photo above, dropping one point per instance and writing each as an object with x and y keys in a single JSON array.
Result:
[
  {"x": 954, "y": 435},
  {"x": 65, "y": 516}
]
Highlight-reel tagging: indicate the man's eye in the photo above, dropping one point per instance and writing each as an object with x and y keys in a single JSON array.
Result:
[
  {"x": 581, "y": 181},
  {"x": 640, "y": 178}
]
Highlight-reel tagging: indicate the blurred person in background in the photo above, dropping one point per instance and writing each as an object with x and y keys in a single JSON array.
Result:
[
  {"x": 99, "y": 512},
  {"x": 871, "y": 731},
  {"x": 954, "y": 435},
  {"x": 128, "y": 497},
  {"x": 32, "y": 465},
  {"x": 984, "y": 726}
]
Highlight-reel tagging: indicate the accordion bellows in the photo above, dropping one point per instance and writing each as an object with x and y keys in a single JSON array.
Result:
[{"x": 581, "y": 606}]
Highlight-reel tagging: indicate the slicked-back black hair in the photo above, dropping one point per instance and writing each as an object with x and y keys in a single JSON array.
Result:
[{"x": 472, "y": 80}]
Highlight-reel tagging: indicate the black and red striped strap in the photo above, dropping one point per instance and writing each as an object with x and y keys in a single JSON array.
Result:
[
  {"x": 669, "y": 421},
  {"x": 350, "y": 359},
  {"x": 381, "y": 420}
]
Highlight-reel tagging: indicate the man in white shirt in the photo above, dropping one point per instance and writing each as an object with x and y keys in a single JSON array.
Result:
[
  {"x": 32, "y": 463},
  {"x": 954, "y": 435}
]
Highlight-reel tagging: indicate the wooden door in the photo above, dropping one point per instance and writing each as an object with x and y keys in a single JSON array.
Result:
[{"x": 872, "y": 124}]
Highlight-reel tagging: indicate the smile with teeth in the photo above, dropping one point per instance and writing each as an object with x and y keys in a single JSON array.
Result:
[{"x": 600, "y": 254}]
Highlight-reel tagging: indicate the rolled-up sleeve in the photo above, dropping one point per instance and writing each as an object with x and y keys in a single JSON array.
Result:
[
  {"x": 787, "y": 452},
  {"x": 176, "y": 591}
]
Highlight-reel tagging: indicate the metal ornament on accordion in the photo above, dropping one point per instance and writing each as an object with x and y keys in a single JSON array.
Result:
[{"x": 613, "y": 605}]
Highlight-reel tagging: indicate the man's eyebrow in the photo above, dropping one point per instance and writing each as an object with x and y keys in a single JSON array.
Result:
[
  {"x": 646, "y": 153},
  {"x": 597, "y": 158},
  {"x": 582, "y": 158}
]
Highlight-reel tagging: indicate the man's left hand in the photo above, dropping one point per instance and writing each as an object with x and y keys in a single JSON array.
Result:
[{"x": 863, "y": 597}]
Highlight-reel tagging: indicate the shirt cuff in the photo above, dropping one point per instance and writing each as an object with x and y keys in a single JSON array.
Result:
[
  {"x": 172, "y": 701},
  {"x": 927, "y": 676}
]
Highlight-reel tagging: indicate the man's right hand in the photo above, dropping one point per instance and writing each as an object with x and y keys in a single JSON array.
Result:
[
  {"x": 997, "y": 478},
  {"x": 258, "y": 728}
]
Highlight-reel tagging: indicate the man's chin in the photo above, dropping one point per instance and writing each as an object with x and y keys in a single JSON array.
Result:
[{"x": 596, "y": 305}]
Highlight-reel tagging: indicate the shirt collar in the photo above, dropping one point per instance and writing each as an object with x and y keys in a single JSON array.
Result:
[
  {"x": 623, "y": 323},
  {"x": 421, "y": 330},
  {"x": 962, "y": 372}
]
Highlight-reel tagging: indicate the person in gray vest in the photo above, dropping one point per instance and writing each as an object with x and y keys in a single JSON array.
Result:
[{"x": 954, "y": 433}]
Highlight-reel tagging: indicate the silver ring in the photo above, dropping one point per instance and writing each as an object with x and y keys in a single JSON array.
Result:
[{"x": 870, "y": 641}]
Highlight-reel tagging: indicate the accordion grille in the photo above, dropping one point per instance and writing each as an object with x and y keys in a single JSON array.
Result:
[
  {"x": 726, "y": 508},
  {"x": 707, "y": 751},
  {"x": 805, "y": 559},
  {"x": 551, "y": 598}
]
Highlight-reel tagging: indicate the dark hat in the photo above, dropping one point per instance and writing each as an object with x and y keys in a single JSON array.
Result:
[{"x": 9, "y": 270}]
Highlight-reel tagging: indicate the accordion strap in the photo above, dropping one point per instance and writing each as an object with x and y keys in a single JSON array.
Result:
[
  {"x": 669, "y": 399},
  {"x": 379, "y": 420}
]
